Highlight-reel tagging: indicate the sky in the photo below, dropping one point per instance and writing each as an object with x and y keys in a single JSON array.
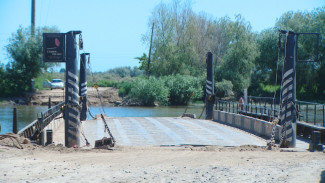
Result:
[{"x": 112, "y": 30}]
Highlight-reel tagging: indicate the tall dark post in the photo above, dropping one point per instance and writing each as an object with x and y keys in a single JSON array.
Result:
[
  {"x": 209, "y": 92},
  {"x": 148, "y": 66},
  {"x": 33, "y": 18},
  {"x": 288, "y": 96},
  {"x": 15, "y": 122},
  {"x": 72, "y": 123},
  {"x": 50, "y": 102},
  {"x": 83, "y": 86}
]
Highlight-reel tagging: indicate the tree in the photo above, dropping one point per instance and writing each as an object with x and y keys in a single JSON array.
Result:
[
  {"x": 3, "y": 79},
  {"x": 265, "y": 64},
  {"x": 25, "y": 53},
  {"x": 238, "y": 62},
  {"x": 143, "y": 61},
  {"x": 310, "y": 76},
  {"x": 62, "y": 70}
]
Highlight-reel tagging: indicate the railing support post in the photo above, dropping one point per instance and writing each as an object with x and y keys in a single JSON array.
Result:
[
  {"x": 49, "y": 104},
  {"x": 43, "y": 137}
]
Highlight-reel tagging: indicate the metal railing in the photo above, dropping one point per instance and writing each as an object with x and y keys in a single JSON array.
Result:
[
  {"x": 310, "y": 112},
  {"x": 265, "y": 111},
  {"x": 263, "y": 101},
  {"x": 33, "y": 130}
]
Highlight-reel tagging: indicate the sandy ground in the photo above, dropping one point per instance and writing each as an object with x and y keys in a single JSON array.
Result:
[
  {"x": 158, "y": 164},
  {"x": 109, "y": 96}
]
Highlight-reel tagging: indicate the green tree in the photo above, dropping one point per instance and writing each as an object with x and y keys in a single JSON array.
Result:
[
  {"x": 238, "y": 62},
  {"x": 25, "y": 54},
  {"x": 143, "y": 61},
  {"x": 265, "y": 64},
  {"x": 310, "y": 76},
  {"x": 223, "y": 88},
  {"x": 3, "y": 79}
]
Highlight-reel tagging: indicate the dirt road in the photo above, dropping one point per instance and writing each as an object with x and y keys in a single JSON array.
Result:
[
  {"x": 109, "y": 96},
  {"x": 159, "y": 164}
]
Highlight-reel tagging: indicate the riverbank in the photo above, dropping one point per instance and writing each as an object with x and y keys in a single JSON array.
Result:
[
  {"x": 159, "y": 164},
  {"x": 109, "y": 96}
]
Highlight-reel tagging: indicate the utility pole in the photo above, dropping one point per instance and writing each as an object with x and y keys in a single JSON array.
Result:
[
  {"x": 72, "y": 123},
  {"x": 33, "y": 18},
  {"x": 83, "y": 86},
  {"x": 148, "y": 67},
  {"x": 209, "y": 92}
]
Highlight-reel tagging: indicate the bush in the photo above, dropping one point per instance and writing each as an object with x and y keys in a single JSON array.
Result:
[
  {"x": 125, "y": 88},
  {"x": 147, "y": 91},
  {"x": 181, "y": 88},
  {"x": 223, "y": 88},
  {"x": 104, "y": 83}
]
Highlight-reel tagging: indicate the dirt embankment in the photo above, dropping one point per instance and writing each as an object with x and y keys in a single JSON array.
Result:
[{"x": 108, "y": 96}]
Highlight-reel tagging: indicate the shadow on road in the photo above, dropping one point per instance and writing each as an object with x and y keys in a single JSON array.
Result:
[{"x": 322, "y": 177}]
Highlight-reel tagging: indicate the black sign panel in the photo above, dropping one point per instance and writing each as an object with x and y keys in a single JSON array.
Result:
[{"x": 54, "y": 47}]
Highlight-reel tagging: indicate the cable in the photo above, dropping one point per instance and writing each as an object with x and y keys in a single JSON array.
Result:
[{"x": 276, "y": 72}]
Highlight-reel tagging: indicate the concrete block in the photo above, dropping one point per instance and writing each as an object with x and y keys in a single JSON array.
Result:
[
  {"x": 247, "y": 123},
  {"x": 215, "y": 115},
  {"x": 263, "y": 127},
  {"x": 222, "y": 117},
  {"x": 233, "y": 119},
  {"x": 242, "y": 122},
  {"x": 230, "y": 118},
  {"x": 258, "y": 126},
  {"x": 252, "y": 129},
  {"x": 268, "y": 129},
  {"x": 226, "y": 117},
  {"x": 238, "y": 121}
]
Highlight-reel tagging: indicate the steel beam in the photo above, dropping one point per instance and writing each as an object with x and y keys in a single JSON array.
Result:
[
  {"x": 209, "y": 92},
  {"x": 72, "y": 123},
  {"x": 288, "y": 93},
  {"x": 83, "y": 86}
]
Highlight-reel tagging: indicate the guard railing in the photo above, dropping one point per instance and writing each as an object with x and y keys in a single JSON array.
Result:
[
  {"x": 266, "y": 112},
  {"x": 34, "y": 129}
]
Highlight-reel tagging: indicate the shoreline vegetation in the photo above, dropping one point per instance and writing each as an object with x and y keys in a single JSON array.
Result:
[{"x": 243, "y": 59}]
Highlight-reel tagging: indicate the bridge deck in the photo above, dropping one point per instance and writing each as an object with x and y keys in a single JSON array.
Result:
[{"x": 160, "y": 131}]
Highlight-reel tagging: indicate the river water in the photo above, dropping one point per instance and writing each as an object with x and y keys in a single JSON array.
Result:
[{"x": 27, "y": 114}]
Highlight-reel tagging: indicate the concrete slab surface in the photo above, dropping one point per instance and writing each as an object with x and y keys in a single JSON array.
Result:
[{"x": 168, "y": 131}]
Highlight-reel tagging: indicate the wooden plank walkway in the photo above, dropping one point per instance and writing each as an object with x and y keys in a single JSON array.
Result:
[{"x": 167, "y": 131}]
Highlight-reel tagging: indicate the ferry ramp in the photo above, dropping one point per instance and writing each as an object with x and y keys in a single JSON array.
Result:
[{"x": 167, "y": 131}]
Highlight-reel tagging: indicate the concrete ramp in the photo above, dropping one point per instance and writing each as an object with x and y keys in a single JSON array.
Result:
[{"x": 168, "y": 131}]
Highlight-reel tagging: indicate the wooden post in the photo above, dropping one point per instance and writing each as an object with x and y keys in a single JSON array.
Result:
[
  {"x": 49, "y": 104},
  {"x": 148, "y": 66},
  {"x": 15, "y": 122}
]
